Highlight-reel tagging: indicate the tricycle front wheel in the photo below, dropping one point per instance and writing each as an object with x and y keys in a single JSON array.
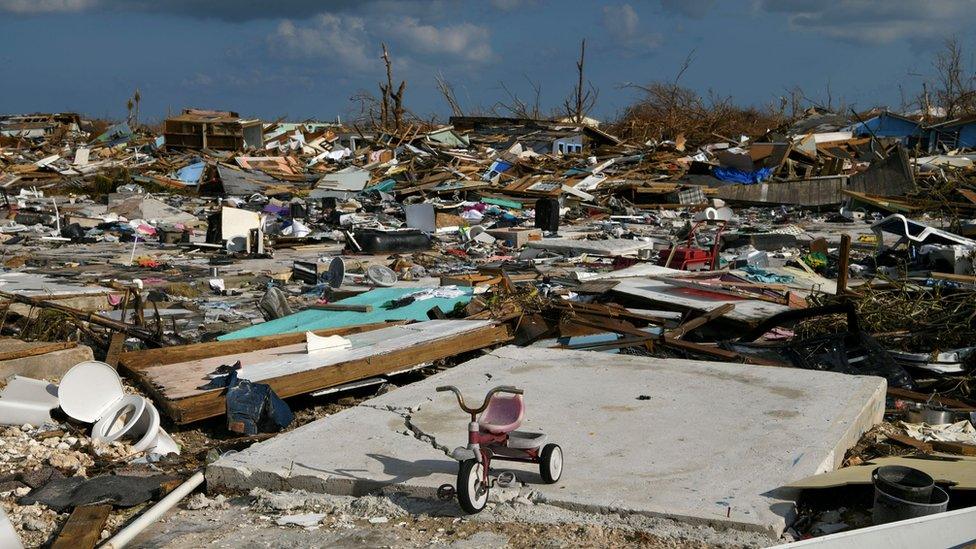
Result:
[
  {"x": 551, "y": 463},
  {"x": 472, "y": 491}
]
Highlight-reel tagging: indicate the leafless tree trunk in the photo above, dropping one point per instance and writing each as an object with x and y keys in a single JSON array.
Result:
[
  {"x": 955, "y": 88},
  {"x": 447, "y": 90},
  {"x": 391, "y": 102},
  {"x": 582, "y": 100}
]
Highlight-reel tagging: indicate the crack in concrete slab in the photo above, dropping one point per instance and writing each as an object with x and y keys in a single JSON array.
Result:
[{"x": 418, "y": 433}]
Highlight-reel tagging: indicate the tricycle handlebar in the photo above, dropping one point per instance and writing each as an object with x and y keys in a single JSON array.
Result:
[{"x": 491, "y": 393}]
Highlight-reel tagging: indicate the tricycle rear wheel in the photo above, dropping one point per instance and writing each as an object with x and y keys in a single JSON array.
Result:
[{"x": 472, "y": 491}]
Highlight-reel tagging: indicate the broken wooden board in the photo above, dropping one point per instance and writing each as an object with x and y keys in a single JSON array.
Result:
[
  {"x": 662, "y": 294},
  {"x": 83, "y": 528},
  {"x": 290, "y": 370},
  {"x": 957, "y": 471},
  {"x": 818, "y": 191}
]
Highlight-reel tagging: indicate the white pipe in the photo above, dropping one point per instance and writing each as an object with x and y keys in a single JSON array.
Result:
[{"x": 125, "y": 535}]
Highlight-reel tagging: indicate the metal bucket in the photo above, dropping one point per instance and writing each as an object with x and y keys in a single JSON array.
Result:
[
  {"x": 888, "y": 508},
  {"x": 903, "y": 483},
  {"x": 930, "y": 415}
]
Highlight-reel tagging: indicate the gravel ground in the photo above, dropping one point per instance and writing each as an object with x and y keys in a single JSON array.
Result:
[{"x": 262, "y": 519}]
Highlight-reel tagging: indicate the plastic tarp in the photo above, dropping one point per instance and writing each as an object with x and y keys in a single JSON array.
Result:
[
  {"x": 735, "y": 175},
  {"x": 310, "y": 320}
]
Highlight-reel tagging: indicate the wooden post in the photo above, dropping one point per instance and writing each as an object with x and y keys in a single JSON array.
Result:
[
  {"x": 83, "y": 527},
  {"x": 844, "y": 263}
]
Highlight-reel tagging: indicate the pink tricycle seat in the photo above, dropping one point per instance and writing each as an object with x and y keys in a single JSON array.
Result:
[{"x": 503, "y": 415}]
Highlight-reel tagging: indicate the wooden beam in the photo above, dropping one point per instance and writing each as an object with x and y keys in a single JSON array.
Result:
[
  {"x": 116, "y": 344},
  {"x": 959, "y": 448},
  {"x": 83, "y": 528},
  {"x": 844, "y": 263},
  {"x": 720, "y": 288},
  {"x": 37, "y": 350},
  {"x": 700, "y": 320},
  {"x": 955, "y": 404},
  {"x": 86, "y": 316},
  {"x": 136, "y": 360},
  {"x": 709, "y": 350},
  {"x": 906, "y": 440}
]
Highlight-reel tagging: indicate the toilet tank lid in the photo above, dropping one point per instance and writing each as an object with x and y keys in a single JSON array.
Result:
[{"x": 88, "y": 389}]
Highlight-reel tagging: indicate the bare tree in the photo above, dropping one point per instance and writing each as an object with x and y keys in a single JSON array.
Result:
[
  {"x": 582, "y": 100},
  {"x": 447, "y": 90},
  {"x": 391, "y": 103},
  {"x": 369, "y": 109},
  {"x": 955, "y": 86},
  {"x": 518, "y": 107},
  {"x": 137, "y": 98}
]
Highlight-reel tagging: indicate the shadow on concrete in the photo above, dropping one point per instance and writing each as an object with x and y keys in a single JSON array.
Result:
[{"x": 402, "y": 470}]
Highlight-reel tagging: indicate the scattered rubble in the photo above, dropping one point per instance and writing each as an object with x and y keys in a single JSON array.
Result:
[{"x": 261, "y": 272}]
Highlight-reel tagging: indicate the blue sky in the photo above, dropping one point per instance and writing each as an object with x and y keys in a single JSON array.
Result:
[{"x": 305, "y": 59}]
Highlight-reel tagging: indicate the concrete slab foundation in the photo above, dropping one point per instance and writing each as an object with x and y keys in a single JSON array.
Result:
[{"x": 702, "y": 442}]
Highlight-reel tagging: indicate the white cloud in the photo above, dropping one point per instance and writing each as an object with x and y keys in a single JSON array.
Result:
[
  {"x": 350, "y": 40},
  {"x": 622, "y": 23},
  {"x": 872, "y": 22},
  {"x": 45, "y": 6},
  {"x": 341, "y": 38},
  {"x": 465, "y": 40}
]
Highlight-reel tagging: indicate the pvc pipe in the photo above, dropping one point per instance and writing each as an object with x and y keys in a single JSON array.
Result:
[{"x": 125, "y": 535}]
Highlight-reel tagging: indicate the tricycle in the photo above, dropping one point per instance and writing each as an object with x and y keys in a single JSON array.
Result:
[{"x": 493, "y": 435}]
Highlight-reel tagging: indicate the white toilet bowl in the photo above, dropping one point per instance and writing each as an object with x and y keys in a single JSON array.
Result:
[
  {"x": 141, "y": 423},
  {"x": 92, "y": 392}
]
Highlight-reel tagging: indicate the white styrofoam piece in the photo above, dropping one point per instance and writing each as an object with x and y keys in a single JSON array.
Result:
[
  {"x": 317, "y": 344},
  {"x": 27, "y": 400}
]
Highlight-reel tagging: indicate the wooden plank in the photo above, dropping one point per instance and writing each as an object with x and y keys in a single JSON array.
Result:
[
  {"x": 116, "y": 345},
  {"x": 609, "y": 310},
  {"x": 135, "y": 360},
  {"x": 37, "y": 350},
  {"x": 728, "y": 356},
  {"x": 700, "y": 320},
  {"x": 911, "y": 442},
  {"x": 211, "y": 403},
  {"x": 953, "y": 403},
  {"x": 596, "y": 286},
  {"x": 959, "y": 448},
  {"x": 83, "y": 527},
  {"x": 967, "y": 194},
  {"x": 965, "y": 279}
]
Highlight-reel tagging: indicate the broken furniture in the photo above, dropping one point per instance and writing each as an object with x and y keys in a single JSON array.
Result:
[{"x": 690, "y": 257}]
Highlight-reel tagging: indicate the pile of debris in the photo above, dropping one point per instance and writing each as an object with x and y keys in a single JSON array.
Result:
[{"x": 225, "y": 267}]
